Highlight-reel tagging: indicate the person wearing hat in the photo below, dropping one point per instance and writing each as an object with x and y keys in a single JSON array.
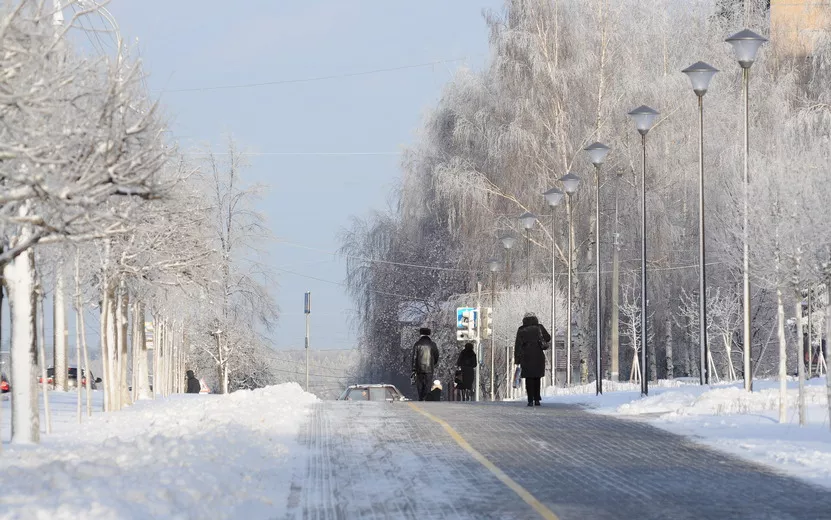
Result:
[
  {"x": 435, "y": 392},
  {"x": 193, "y": 386},
  {"x": 532, "y": 340},
  {"x": 425, "y": 359}
]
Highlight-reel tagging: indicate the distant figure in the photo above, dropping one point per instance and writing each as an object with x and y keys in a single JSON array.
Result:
[
  {"x": 467, "y": 362},
  {"x": 435, "y": 392},
  {"x": 193, "y": 384},
  {"x": 529, "y": 353},
  {"x": 425, "y": 359},
  {"x": 584, "y": 372}
]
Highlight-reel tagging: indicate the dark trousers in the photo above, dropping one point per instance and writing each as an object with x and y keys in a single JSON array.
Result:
[
  {"x": 423, "y": 383},
  {"x": 532, "y": 388}
]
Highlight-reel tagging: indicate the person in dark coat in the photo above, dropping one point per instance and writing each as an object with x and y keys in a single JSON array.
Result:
[
  {"x": 435, "y": 392},
  {"x": 529, "y": 353},
  {"x": 193, "y": 384},
  {"x": 425, "y": 359},
  {"x": 467, "y": 362}
]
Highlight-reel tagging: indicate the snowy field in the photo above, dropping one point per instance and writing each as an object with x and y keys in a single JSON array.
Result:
[
  {"x": 727, "y": 418},
  {"x": 189, "y": 456}
]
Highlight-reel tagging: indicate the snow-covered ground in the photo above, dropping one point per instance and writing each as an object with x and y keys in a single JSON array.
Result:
[
  {"x": 727, "y": 418},
  {"x": 189, "y": 456}
]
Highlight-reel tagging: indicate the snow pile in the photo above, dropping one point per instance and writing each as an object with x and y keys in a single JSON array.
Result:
[
  {"x": 728, "y": 418},
  {"x": 726, "y": 401},
  {"x": 612, "y": 386},
  {"x": 189, "y": 456}
]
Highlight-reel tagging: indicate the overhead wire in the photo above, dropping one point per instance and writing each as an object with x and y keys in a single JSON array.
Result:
[{"x": 317, "y": 78}]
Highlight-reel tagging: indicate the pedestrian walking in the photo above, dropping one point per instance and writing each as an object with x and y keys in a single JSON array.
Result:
[
  {"x": 435, "y": 392},
  {"x": 532, "y": 340},
  {"x": 467, "y": 363},
  {"x": 425, "y": 359},
  {"x": 193, "y": 386}
]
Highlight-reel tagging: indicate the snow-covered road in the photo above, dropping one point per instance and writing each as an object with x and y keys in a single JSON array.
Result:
[{"x": 189, "y": 456}]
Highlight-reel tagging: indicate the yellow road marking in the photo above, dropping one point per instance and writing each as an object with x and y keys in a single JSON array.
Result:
[{"x": 523, "y": 493}]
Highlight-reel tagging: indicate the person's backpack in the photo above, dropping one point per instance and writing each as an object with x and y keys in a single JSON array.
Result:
[{"x": 425, "y": 359}]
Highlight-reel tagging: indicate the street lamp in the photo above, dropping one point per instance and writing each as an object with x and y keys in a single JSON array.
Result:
[
  {"x": 527, "y": 220},
  {"x": 597, "y": 153},
  {"x": 493, "y": 267},
  {"x": 554, "y": 197},
  {"x": 644, "y": 117},
  {"x": 746, "y": 44},
  {"x": 570, "y": 184},
  {"x": 700, "y": 75},
  {"x": 508, "y": 242}
]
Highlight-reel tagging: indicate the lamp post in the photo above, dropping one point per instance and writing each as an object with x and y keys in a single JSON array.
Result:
[
  {"x": 700, "y": 75},
  {"x": 746, "y": 44},
  {"x": 527, "y": 220},
  {"x": 597, "y": 153},
  {"x": 554, "y": 197},
  {"x": 644, "y": 117},
  {"x": 570, "y": 184},
  {"x": 493, "y": 267},
  {"x": 508, "y": 242}
]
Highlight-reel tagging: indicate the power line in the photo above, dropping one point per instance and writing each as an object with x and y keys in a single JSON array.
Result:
[
  {"x": 388, "y": 262},
  {"x": 294, "y": 153},
  {"x": 317, "y": 78}
]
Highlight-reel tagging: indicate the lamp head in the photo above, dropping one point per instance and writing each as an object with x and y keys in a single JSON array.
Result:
[
  {"x": 570, "y": 183},
  {"x": 745, "y": 45},
  {"x": 700, "y": 74},
  {"x": 644, "y": 117},
  {"x": 527, "y": 220},
  {"x": 508, "y": 241},
  {"x": 597, "y": 153},
  {"x": 553, "y": 197}
]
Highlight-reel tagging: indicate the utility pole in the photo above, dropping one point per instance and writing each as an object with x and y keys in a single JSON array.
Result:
[
  {"x": 477, "y": 323},
  {"x": 307, "y": 310},
  {"x": 614, "y": 366}
]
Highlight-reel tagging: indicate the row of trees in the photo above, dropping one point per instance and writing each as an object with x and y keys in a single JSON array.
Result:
[
  {"x": 562, "y": 75},
  {"x": 98, "y": 210}
]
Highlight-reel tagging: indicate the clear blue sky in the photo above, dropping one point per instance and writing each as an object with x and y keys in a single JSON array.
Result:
[{"x": 189, "y": 43}]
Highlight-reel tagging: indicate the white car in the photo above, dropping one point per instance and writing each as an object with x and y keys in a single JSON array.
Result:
[{"x": 381, "y": 393}]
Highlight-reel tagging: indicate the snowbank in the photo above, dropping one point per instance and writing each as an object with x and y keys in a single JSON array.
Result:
[
  {"x": 189, "y": 456},
  {"x": 726, "y": 418}
]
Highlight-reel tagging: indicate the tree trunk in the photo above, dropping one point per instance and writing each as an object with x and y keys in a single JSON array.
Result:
[
  {"x": 82, "y": 332},
  {"x": 783, "y": 358},
  {"x": 140, "y": 345},
  {"x": 105, "y": 347},
  {"x": 59, "y": 332},
  {"x": 800, "y": 358},
  {"x": 42, "y": 358},
  {"x": 19, "y": 275},
  {"x": 827, "y": 350},
  {"x": 123, "y": 357}
]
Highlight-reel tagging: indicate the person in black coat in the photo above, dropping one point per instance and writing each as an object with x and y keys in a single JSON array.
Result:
[
  {"x": 532, "y": 340},
  {"x": 193, "y": 384},
  {"x": 467, "y": 362},
  {"x": 425, "y": 359}
]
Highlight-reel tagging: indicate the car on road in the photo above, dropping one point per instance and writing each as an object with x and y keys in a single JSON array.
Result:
[
  {"x": 372, "y": 392},
  {"x": 4, "y": 384},
  {"x": 72, "y": 378}
]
